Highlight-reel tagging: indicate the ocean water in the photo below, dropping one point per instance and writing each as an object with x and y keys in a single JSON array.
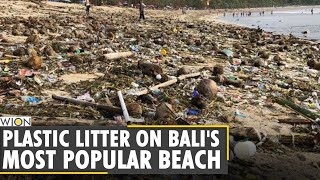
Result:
[{"x": 294, "y": 21}]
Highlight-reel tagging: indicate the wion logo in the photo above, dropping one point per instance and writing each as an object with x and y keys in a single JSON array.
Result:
[{"x": 15, "y": 121}]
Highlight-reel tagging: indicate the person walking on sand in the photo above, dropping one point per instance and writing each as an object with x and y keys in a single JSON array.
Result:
[
  {"x": 88, "y": 6},
  {"x": 141, "y": 8},
  {"x": 312, "y": 11}
]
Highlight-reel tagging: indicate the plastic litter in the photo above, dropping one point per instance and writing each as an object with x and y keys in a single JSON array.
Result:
[
  {"x": 25, "y": 73},
  {"x": 134, "y": 84},
  {"x": 227, "y": 52},
  {"x": 245, "y": 150},
  {"x": 159, "y": 77},
  {"x": 86, "y": 97},
  {"x": 123, "y": 106},
  {"x": 6, "y": 61},
  {"x": 193, "y": 112},
  {"x": 163, "y": 52},
  {"x": 31, "y": 100},
  {"x": 195, "y": 93},
  {"x": 239, "y": 114}
]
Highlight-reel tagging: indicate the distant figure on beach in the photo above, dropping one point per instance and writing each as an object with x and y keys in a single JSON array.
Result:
[
  {"x": 233, "y": 14},
  {"x": 260, "y": 13},
  {"x": 312, "y": 11},
  {"x": 271, "y": 12},
  {"x": 184, "y": 10},
  {"x": 263, "y": 13},
  {"x": 259, "y": 30},
  {"x": 141, "y": 8},
  {"x": 88, "y": 6},
  {"x": 224, "y": 14}
]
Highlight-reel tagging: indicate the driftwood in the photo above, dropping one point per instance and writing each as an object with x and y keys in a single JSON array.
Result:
[
  {"x": 250, "y": 133},
  {"x": 295, "y": 121},
  {"x": 107, "y": 108},
  {"x": 7, "y": 44},
  {"x": 303, "y": 141},
  {"x": 297, "y": 140},
  {"x": 118, "y": 55},
  {"x": 11, "y": 56},
  {"x": 167, "y": 83},
  {"x": 304, "y": 112},
  {"x": 68, "y": 42}
]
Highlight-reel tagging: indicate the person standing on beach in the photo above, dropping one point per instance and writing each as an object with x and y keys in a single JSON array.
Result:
[
  {"x": 88, "y": 6},
  {"x": 184, "y": 10},
  {"x": 141, "y": 8},
  {"x": 312, "y": 11}
]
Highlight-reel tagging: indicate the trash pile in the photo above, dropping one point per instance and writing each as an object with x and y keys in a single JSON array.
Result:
[{"x": 110, "y": 69}]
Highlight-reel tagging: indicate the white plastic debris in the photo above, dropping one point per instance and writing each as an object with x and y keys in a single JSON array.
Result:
[
  {"x": 124, "y": 107},
  {"x": 86, "y": 97},
  {"x": 244, "y": 150},
  {"x": 135, "y": 85},
  {"x": 159, "y": 77}
]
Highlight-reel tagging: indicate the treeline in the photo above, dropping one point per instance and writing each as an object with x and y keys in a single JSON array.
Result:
[{"x": 215, "y": 4}]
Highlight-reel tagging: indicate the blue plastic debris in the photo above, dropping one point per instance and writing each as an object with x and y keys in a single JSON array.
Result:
[
  {"x": 30, "y": 99},
  {"x": 195, "y": 93},
  {"x": 193, "y": 112},
  {"x": 239, "y": 114},
  {"x": 227, "y": 52}
]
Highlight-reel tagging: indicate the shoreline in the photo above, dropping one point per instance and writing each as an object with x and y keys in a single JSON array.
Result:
[
  {"x": 282, "y": 8},
  {"x": 218, "y": 19}
]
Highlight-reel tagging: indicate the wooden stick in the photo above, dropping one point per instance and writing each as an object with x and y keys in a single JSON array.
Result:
[
  {"x": 297, "y": 140},
  {"x": 5, "y": 61},
  {"x": 304, "y": 112},
  {"x": 7, "y": 44},
  {"x": 110, "y": 109},
  {"x": 11, "y": 56},
  {"x": 186, "y": 76},
  {"x": 295, "y": 121},
  {"x": 167, "y": 83},
  {"x": 118, "y": 55}
]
